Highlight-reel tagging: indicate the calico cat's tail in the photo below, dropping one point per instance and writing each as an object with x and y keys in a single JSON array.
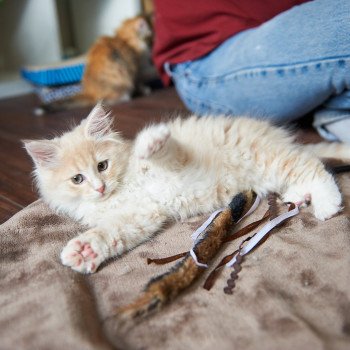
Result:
[
  {"x": 164, "y": 288},
  {"x": 80, "y": 100}
]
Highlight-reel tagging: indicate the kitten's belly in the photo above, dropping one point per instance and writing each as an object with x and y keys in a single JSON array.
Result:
[{"x": 191, "y": 192}]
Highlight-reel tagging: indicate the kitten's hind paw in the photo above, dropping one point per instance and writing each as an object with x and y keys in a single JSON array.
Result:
[
  {"x": 323, "y": 194},
  {"x": 326, "y": 199},
  {"x": 81, "y": 256},
  {"x": 327, "y": 207},
  {"x": 151, "y": 141}
]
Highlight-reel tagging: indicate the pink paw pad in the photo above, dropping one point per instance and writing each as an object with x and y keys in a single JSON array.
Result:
[
  {"x": 83, "y": 253},
  {"x": 305, "y": 202},
  {"x": 81, "y": 256},
  {"x": 87, "y": 251}
]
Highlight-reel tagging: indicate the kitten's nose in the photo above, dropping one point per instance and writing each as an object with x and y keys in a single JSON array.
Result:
[{"x": 101, "y": 189}]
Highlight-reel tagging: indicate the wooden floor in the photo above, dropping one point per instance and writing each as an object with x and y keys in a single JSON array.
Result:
[{"x": 17, "y": 122}]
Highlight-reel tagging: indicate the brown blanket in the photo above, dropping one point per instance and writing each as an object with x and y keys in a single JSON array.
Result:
[{"x": 293, "y": 291}]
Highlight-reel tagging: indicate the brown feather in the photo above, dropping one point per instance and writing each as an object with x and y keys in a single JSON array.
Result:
[{"x": 163, "y": 289}]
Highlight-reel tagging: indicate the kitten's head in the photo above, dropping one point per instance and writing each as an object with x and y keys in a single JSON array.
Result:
[
  {"x": 137, "y": 32},
  {"x": 83, "y": 165}
]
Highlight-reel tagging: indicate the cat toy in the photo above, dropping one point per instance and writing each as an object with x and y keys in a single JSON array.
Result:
[
  {"x": 209, "y": 238},
  {"x": 214, "y": 233},
  {"x": 235, "y": 259}
]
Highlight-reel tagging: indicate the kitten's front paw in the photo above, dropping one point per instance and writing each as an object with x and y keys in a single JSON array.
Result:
[
  {"x": 151, "y": 141},
  {"x": 82, "y": 256}
]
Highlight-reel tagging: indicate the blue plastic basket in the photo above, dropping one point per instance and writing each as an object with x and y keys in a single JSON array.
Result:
[{"x": 63, "y": 73}]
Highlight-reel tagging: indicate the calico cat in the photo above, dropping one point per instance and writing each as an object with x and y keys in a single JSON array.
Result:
[
  {"x": 125, "y": 191},
  {"x": 114, "y": 67}
]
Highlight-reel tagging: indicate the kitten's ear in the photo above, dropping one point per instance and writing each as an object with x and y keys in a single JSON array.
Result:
[
  {"x": 99, "y": 122},
  {"x": 143, "y": 28},
  {"x": 43, "y": 152}
]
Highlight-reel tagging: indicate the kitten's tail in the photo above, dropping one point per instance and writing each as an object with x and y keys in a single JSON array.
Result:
[
  {"x": 163, "y": 289},
  {"x": 329, "y": 150},
  {"x": 80, "y": 100}
]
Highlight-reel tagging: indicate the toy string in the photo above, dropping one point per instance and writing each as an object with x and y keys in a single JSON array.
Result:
[{"x": 195, "y": 235}]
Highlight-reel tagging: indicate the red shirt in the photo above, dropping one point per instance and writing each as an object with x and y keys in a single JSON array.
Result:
[{"x": 188, "y": 29}]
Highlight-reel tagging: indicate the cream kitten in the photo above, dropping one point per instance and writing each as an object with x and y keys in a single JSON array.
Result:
[{"x": 126, "y": 191}]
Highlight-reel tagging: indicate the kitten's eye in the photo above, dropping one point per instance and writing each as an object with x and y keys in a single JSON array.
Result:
[
  {"x": 77, "y": 179},
  {"x": 102, "y": 166}
]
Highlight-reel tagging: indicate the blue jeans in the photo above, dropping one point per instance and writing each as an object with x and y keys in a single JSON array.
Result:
[{"x": 285, "y": 68}]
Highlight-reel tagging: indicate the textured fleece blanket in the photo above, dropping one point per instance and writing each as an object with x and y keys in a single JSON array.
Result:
[{"x": 292, "y": 293}]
